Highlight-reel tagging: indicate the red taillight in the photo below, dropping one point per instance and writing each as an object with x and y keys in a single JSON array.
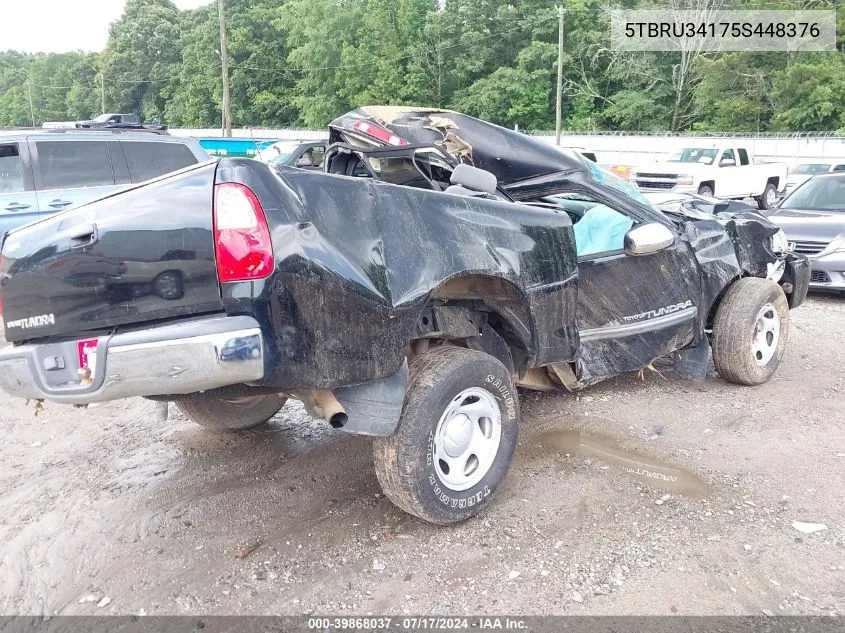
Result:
[
  {"x": 241, "y": 235},
  {"x": 380, "y": 133}
]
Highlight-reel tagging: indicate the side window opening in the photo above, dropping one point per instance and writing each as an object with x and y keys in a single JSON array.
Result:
[
  {"x": 306, "y": 159},
  {"x": 151, "y": 159},
  {"x": 435, "y": 169},
  {"x": 73, "y": 164},
  {"x": 347, "y": 164},
  {"x": 318, "y": 153},
  {"x": 11, "y": 170},
  {"x": 399, "y": 170},
  {"x": 728, "y": 154},
  {"x": 598, "y": 228},
  {"x": 743, "y": 156}
]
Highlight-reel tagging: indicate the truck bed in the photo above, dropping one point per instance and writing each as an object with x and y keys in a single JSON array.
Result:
[
  {"x": 141, "y": 255},
  {"x": 354, "y": 263}
]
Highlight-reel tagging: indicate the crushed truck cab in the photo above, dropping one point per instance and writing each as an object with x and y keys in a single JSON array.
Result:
[{"x": 404, "y": 295}]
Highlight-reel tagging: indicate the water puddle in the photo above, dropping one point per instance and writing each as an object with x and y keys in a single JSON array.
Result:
[{"x": 650, "y": 470}]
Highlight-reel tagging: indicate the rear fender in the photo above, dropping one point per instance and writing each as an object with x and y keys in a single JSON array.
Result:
[
  {"x": 537, "y": 325},
  {"x": 357, "y": 261}
]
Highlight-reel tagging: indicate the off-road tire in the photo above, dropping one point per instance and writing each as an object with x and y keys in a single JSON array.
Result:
[
  {"x": 706, "y": 191},
  {"x": 404, "y": 461},
  {"x": 734, "y": 328},
  {"x": 763, "y": 201},
  {"x": 219, "y": 413}
]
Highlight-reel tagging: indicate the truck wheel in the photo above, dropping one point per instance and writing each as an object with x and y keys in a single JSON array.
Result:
[
  {"x": 706, "y": 191},
  {"x": 223, "y": 414},
  {"x": 750, "y": 331},
  {"x": 455, "y": 439},
  {"x": 768, "y": 198}
]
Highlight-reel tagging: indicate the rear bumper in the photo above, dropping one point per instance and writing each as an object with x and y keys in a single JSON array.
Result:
[{"x": 176, "y": 358}]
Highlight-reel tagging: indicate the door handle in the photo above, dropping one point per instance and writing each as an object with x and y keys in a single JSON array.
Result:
[
  {"x": 58, "y": 204},
  {"x": 16, "y": 206},
  {"x": 82, "y": 236}
]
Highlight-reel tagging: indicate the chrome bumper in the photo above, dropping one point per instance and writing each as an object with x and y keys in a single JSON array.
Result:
[{"x": 177, "y": 358}]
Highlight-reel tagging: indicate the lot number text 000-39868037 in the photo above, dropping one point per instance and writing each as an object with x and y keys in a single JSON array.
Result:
[{"x": 723, "y": 30}]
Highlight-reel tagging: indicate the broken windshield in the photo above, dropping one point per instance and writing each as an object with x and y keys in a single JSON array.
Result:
[{"x": 606, "y": 177}]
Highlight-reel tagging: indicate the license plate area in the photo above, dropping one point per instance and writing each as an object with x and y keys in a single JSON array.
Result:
[
  {"x": 75, "y": 366},
  {"x": 87, "y": 361}
]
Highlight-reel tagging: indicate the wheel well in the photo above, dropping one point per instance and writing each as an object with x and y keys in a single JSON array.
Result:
[
  {"x": 774, "y": 180},
  {"x": 708, "y": 183},
  {"x": 499, "y": 304},
  {"x": 714, "y": 307}
]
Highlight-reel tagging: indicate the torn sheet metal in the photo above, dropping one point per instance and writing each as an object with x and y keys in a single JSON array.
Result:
[
  {"x": 511, "y": 156},
  {"x": 358, "y": 260}
]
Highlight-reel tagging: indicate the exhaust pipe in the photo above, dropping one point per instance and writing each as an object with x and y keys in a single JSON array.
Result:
[{"x": 331, "y": 409}]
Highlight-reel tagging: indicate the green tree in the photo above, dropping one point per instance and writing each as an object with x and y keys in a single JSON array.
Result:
[
  {"x": 195, "y": 94},
  {"x": 381, "y": 61},
  {"x": 810, "y": 94},
  {"x": 515, "y": 96},
  {"x": 736, "y": 91},
  {"x": 142, "y": 57},
  {"x": 317, "y": 33},
  {"x": 304, "y": 62}
]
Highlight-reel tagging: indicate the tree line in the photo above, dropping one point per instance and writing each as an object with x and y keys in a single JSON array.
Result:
[{"x": 303, "y": 62}]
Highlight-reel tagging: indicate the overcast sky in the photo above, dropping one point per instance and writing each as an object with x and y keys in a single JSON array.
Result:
[{"x": 57, "y": 26}]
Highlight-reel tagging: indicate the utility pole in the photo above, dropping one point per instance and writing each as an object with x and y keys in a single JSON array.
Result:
[
  {"x": 224, "y": 67},
  {"x": 560, "y": 13},
  {"x": 31, "y": 109},
  {"x": 103, "y": 91}
]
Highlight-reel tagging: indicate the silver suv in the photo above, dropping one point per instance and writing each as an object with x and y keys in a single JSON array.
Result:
[{"x": 46, "y": 171}]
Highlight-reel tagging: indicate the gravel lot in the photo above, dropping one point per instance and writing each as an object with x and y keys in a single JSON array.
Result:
[{"x": 106, "y": 510}]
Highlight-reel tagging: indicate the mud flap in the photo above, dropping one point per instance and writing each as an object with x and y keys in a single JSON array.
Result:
[
  {"x": 374, "y": 407},
  {"x": 691, "y": 362},
  {"x": 797, "y": 273}
]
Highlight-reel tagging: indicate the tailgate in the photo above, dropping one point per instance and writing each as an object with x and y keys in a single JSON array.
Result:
[{"x": 139, "y": 255}]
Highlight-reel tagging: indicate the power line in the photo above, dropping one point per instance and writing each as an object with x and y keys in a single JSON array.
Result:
[{"x": 119, "y": 81}]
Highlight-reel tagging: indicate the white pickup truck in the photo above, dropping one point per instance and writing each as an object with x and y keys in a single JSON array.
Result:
[{"x": 723, "y": 172}]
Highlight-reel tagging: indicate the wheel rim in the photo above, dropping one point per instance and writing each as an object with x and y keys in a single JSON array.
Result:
[
  {"x": 770, "y": 196},
  {"x": 467, "y": 439},
  {"x": 766, "y": 335}
]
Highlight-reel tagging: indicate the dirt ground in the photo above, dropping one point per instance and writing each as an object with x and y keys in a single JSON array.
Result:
[{"x": 106, "y": 510}]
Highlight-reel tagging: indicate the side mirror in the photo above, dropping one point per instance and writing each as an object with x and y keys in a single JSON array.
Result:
[
  {"x": 474, "y": 178},
  {"x": 648, "y": 238},
  {"x": 727, "y": 162}
]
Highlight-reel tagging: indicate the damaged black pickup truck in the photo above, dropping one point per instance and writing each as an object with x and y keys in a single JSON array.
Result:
[{"x": 445, "y": 262}]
